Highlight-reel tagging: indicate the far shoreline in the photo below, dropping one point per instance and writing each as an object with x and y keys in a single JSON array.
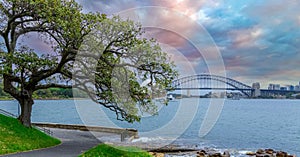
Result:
[
  {"x": 55, "y": 98},
  {"x": 12, "y": 99}
]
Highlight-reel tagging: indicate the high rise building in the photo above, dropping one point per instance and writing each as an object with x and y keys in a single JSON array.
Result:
[
  {"x": 271, "y": 86},
  {"x": 274, "y": 87}
]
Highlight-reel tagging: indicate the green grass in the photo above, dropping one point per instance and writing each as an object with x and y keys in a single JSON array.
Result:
[
  {"x": 14, "y": 137},
  {"x": 104, "y": 150}
]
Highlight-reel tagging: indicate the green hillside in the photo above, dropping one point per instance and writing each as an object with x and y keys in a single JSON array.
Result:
[{"x": 14, "y": 137}]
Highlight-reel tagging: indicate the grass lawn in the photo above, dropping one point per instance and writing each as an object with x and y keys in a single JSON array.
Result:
[
  {"x": 14, "y": 137},
  {"x": 104, "y": 150}
]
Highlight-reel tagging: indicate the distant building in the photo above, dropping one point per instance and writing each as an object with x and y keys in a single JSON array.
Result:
[
  {"x": 283, "y": 88},
  {"x": 297, "y": 88},
  {"x": 290, "y": 87},
  {"x": 271, "y": 86},
  {"x": 277, "y": 87},
  {"x": 274, "y": 87}
]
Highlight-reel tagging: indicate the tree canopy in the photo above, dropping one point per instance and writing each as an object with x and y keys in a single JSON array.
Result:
[{"x": 107, "y": 57}]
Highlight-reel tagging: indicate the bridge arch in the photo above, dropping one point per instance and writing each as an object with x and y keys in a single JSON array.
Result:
[{"x": 204, "y": 81}]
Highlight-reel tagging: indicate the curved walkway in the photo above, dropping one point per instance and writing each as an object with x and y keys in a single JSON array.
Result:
[{"x": 74, "y": 143}]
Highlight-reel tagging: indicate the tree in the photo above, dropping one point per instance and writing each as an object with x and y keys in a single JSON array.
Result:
[{"x": 114, "y": 46}]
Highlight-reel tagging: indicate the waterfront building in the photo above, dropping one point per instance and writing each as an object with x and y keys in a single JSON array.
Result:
[
  {"x": 277, "y": 87},
  {"x": 274, "y": 87},
  {"x": 271, "y": 86},
  {"x": 283, "y": 88},
  {"x": 297, "y": 88},
  {"x": 290, "y": 87}
]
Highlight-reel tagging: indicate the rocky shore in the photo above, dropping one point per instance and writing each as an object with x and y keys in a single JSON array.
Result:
[
  {"x": 269, "y": 153},
  {"x": 215, "y": 153},
  {"x": 173, "y": 150}
]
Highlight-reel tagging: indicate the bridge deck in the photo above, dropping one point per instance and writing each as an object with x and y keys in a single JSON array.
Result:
[{"x": 208, "y": 88}]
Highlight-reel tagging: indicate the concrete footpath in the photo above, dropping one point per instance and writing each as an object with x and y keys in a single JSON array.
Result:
[{"x": 74, "y": 143}]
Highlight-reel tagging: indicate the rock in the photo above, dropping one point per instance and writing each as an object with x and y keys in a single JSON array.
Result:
[
  {"x": 268, "y": 155},
  {"x": 202, "y": 151},
  {"x": 269, "y": 151},
  {"x": 108, "y": 143},
  {"x": 226, "y": 154},
  {"x": 264, "y": 155},
  {"x": 281, "y": 154},
  {"x": 157, "y": 154},
  {"x": 250, "y": 153},
  {"x": 200, "y": 154},
  {"x": 152, "y": 153},
  {"x": 259, "y": 155},
  {"x": 260, "y": 151},
  {"x": 215, "y": 155}
]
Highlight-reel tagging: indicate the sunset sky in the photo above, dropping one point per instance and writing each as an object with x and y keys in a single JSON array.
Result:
[{"x": 257, "y": 40}]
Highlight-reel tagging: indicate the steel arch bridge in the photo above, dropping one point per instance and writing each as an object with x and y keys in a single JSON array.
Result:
[{"x": 210, "y": 82}]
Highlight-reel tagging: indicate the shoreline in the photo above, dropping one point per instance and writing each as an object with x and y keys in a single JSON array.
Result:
[
  {"x": 221, "y": 153},
  {"x": 187, "y": 151},
  {"x": 12, "y": 99},
  {"x": 56, "y": 98},
  {"x": 212, "y": 152}
]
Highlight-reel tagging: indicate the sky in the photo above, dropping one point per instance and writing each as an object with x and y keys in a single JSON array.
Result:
[
  {"x": 250, "y": 41},
  {"x": 255, "y": 41}
]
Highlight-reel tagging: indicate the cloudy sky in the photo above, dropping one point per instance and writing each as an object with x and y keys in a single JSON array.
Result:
[{"x": 253, "y": 40}]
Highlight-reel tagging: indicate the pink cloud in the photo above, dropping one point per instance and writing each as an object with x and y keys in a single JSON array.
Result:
[
  {"x": 166, "y": 37},
  {"x": 246, "y": 38},
  {"x": 187, "y": 7},
  {"x": 179, "y": 16},
  {"x": 178, "y": 27}
]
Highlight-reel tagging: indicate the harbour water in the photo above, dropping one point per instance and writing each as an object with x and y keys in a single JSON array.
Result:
[{"x": 243, "y": 125}]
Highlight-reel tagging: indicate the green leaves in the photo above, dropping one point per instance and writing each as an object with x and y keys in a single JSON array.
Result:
[
  {"x": 27, "y": 63},
  {"x": 126, "y": 60}
]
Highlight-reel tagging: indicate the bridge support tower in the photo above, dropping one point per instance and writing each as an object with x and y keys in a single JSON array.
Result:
[
  {"x": 256, "y": 93},
  {"x": 188, "y": 93}
]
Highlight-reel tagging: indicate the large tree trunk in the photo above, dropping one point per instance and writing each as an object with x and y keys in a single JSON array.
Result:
[
  {"x": 24, "y": 98},
  {"x": 26, "y": 108}
]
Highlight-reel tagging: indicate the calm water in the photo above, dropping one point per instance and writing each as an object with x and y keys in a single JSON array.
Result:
[{"x": 242, "y": 125}]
